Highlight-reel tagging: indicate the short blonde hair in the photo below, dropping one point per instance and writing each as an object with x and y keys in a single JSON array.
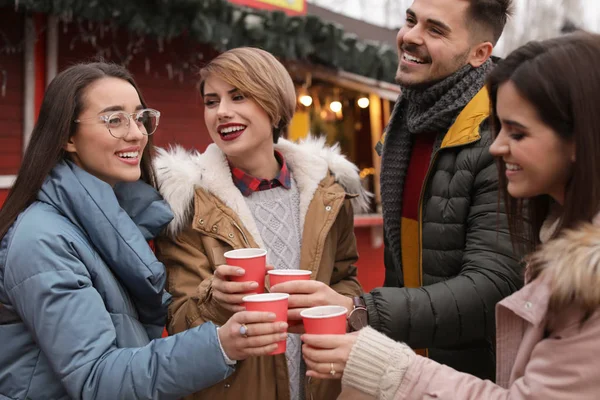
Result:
[{"x": 260, "y": 76}]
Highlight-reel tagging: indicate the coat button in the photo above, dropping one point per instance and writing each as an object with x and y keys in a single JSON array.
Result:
[
  {"x": 230, "y": 235},
  {"x": 201, "y": 221},
  {"x": 215, "y": 228},
  {"x": 528, "y": 305},
  {"x": 328, "y": 208}
]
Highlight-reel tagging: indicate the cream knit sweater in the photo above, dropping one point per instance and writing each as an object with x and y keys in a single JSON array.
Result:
[{"x": 377, "y": 364}]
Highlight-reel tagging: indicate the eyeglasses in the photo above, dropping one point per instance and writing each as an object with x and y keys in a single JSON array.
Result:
[{"x": 117, "y": 123}]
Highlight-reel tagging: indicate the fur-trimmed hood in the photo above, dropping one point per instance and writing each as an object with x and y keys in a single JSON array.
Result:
[
  {"x": 179, "y": 172},
  {"x": 571, "y": 264}
]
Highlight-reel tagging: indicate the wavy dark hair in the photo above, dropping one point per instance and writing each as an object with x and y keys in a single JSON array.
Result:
[
  {"x": 63, "y": 102},
  {"x": 561, "y": 79}
]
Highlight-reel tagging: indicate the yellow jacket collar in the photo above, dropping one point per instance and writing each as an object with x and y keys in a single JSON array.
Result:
[{"x": 466, "y": 127}]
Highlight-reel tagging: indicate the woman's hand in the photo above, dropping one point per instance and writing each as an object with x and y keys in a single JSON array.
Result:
[
  {"x": 306, "y": 294},
  {"x": 326, "y": 355},
  {"x": 229, "y": 294},
  {"x": 251, "y": 333}
]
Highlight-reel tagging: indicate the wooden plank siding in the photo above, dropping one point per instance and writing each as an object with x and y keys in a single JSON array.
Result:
[
  {"x": 182, "y": 120},
  {"x": 11, "y": 103}
]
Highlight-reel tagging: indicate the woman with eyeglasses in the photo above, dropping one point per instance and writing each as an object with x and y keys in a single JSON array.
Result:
[{"x": 82, "y": 300}]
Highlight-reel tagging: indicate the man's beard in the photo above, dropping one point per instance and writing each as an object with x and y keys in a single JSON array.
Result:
[{"x": 459, "y": 61}]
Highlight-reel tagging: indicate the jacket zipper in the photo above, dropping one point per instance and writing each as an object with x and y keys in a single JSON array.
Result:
[{"x": 420, "y": 236}]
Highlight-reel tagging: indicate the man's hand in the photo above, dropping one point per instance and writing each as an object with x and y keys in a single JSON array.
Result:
[{"x": 306, "y": 294}]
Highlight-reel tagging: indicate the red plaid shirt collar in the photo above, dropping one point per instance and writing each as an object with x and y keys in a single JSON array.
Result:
[{"x": 247, "y": 184}]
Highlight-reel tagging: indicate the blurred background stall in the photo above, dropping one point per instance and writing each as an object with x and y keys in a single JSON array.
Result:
[
  {"x": 345, "y": 67},
  {"x": 341, "y": 55}
]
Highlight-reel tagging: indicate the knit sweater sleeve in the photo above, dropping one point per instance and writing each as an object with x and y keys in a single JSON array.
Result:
[{"x": 377, "y": 365}]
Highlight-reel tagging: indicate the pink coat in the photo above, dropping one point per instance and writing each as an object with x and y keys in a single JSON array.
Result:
[
  {"x": 540, "y": 355},
  {"x": 562, "y": 363}
]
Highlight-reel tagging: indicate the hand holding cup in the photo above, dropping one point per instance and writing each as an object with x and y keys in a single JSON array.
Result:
[
  {"x": 307, "y": 294},
  {"x": 230, "y": 284},
  {"x": 228, "y": 293},
  {"x": 326, "y": 355},
  {"x": 251, "y": 333},
  {"x": 275, "y": 303}
]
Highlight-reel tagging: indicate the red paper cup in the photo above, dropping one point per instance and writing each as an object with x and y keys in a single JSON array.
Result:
[
  {"x": 286, "y": 275},
  {"x": 271, "y": 302},
  {"x": 254, "y": 262},
  {"x": 325, "y": 320}
]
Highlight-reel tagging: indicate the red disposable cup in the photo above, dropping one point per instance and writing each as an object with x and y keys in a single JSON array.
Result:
[
  {"x": 276, "y": 303},
  {"x": 254, "y": 262},
  {"x": 325, "y": 320},
  {"x": 286, "y": 275},
  {"x": 278, "y": 276}
]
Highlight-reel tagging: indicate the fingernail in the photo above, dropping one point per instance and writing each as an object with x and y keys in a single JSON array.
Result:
[
  {"x": 283, "y": 325},
  {"x": 283, "y": 336},
  {"x": 254, "y": 285},
  {"x": 272, "y": 315},
  {"x": 240, "y": 271}
]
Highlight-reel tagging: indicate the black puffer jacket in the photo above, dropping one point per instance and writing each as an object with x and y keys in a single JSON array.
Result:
[{"x": 467, "y": 260}]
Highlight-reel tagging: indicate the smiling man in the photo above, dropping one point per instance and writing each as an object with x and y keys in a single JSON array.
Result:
[{"x": 448, "y": 254}]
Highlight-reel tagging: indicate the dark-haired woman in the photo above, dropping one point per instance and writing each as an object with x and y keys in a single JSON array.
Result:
[
  {"x": 544, "y": 102},
  {"x": 82, "y": 303}
]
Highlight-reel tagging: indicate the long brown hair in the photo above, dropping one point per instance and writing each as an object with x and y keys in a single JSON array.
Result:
[
  {"x": 561, "y": 79},
  {"x": 62, "y": 104}
]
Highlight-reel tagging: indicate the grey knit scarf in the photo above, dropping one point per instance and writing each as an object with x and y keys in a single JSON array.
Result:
[{"x": 433, "y": 110}]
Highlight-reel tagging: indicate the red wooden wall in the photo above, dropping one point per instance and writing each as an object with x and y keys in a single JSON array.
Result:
[
  {"x": 11, "y": 102},
  {"x": 11, "y": 97},
  {"x": 167, "y": 83},
  {"x": 371, "y": 271}
]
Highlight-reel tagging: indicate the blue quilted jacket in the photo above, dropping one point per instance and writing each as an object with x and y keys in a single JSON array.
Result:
[{"x": 82, "y": 299}]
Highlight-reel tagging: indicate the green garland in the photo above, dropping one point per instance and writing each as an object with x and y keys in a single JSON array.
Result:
[{"x": 224, "y": 26}]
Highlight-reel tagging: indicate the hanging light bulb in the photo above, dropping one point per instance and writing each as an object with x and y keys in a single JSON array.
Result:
[
  {"x": 305, "y": 100},
  {"x": 304, "y": 96},
  {"x": 335, "y": 106},
  {"x": 363, "y": 102}
]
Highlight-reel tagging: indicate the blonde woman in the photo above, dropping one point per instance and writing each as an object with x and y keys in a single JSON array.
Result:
[{"x": 252, "y": 188}]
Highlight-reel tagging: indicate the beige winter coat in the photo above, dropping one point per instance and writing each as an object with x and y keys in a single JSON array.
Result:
[{"x": 211, "y": 217}]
